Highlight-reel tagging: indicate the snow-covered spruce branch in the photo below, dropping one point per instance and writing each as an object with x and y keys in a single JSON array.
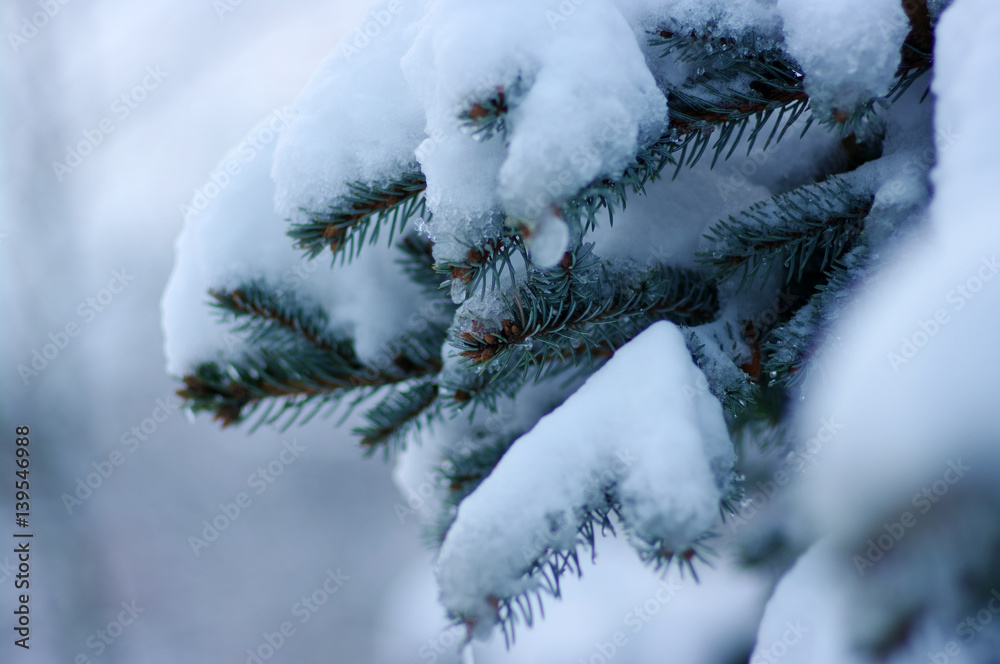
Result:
[
  {"x": 265, "y": 317},
  {"x": 359, "y": 216},
  {"x": 291, "y": 364},
  {"x": 666, "y": 497},
  {"x": 735, "y": 387},
  {"x": 582, "y": 302},
  {"x": 494, "y": 254},
  {"x": 388, "y": 422},
  {"x": 788, "y": 230},
  {"x": 725, "y": 113},
  {"x": 484, "y": 264},
  {"x": 418, "y": 264},
  {"x": 788, "y": 347},
  {"x": 744, "y": 78},
  {"x": 498, "y": 154}
]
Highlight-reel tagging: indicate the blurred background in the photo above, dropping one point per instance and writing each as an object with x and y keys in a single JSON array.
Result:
[{"x": 112, "y": 114}]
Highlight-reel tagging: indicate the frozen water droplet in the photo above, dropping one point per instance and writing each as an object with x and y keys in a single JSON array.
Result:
[
  {"x": 773, "y": 374},
  {"x": 700, "y": 71},
  {"x": 422, "y": 228},
  {"x": 716, "y": 254}
]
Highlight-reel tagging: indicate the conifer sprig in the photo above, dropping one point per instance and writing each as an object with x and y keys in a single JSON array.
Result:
[
  {"x": 570, "y": 319},
  {"x": 611, "y": 193},
  {"x": 487, "y": 115},
  {"x": 789, "y": 347},
  {"x": 267, "y": 317},
  {"x": 418, "y": 263},
  {"x": 789, "y": 229},
  {"x": 360, "y": 215},
  {"x": 484, "y": 263},
  {"x": 584, "y": 302},
  {"x": 400, "y": 411},
  {"x": 725, "y": 113},
  {"x": 292, "y": 361}
]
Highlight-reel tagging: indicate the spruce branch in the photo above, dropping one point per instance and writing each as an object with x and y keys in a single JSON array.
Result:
[
  {"x": 726, "y": 112},
  {"x": 611, "y": 193},
  {"x": 583, "y": 302},
  {"x": 739, "y": 80},
  {"x": 743, "y": 79},
  {"x": 265, "y": 316},
  {"x": 418, "y": 263},
  {"x": 731, "y": 384},
  {"x": 292, "y": 362},
  {"x": 789, "y": 229},
  {"x": 486, "y": 115},
  {"x": 788, "y": 347},
  {"x": 569, "y": 319},
  {"x": 359, "y": 216},
  {"x": 708, "y": 50},
  {"x": 289, "y": 381},
  {"x": 485, "y": 262},
  {"x": 400, "y": 411}
]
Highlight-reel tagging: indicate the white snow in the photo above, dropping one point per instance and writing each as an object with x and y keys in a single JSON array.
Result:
[
  {"x": 906, "y": 386},
  {"x": 805, "y": 621},
  {"x": 620, "y": 611},
  {"x": 722, "y": 17},
  {"x": 849, "y": 50},
  {"x": 590, "y": 103},
  {"x": 238, "y": 238},
  {"x": 906, "y": 381},
  {"x": 631, "y": 426},
  {"x": 356, "y": 120}
]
